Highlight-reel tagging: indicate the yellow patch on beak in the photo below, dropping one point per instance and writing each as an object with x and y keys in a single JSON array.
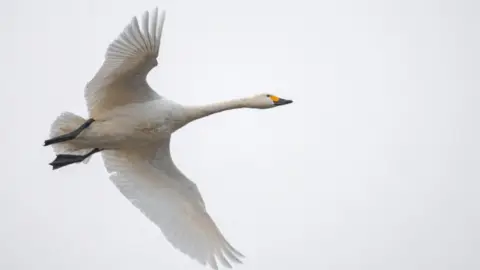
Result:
[{"x": 274, "y": 98}]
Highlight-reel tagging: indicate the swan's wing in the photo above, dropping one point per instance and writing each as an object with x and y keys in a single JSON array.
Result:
[
  {"x": 152, "y": 182},
  {"x": 122, "y": 77}
]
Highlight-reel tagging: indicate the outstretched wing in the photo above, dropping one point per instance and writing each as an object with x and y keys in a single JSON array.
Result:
[
  {"x": 122, "y": 77},
  {"x": 151, "y": 181}
]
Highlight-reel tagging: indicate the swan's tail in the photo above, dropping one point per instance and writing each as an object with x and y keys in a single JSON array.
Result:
[{"x": 66, "y": 123}]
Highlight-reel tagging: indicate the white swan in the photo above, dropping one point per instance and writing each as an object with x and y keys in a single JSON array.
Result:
[{"x": 131, "y": 125}]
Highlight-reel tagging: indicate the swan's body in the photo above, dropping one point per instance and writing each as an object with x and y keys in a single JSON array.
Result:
[
  {"x": 141, "y": 125},
  {"x": 131, "y": 125}
]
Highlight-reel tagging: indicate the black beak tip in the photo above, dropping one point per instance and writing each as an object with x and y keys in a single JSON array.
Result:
[{"x": 283, "y": 102}]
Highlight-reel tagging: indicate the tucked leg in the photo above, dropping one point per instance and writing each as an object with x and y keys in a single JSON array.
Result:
[{"x": 69, "y": 136}]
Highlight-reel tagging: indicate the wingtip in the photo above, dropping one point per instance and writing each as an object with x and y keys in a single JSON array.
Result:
[
  {"x": 163, "y": 15},
  {"x": 160, "y": 16},
  {"x": 162, "y": 11}
]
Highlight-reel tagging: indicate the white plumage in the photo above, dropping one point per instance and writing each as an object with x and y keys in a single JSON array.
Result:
[{"x": 131, "y": 126}]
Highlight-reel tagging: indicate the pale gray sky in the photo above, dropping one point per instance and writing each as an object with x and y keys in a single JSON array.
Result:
[{"x": 375, "y": 165}]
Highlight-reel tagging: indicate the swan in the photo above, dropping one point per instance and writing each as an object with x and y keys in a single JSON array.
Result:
[{"x": 130, "y": 125}]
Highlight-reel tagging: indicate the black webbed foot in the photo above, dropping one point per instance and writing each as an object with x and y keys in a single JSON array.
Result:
[{"x": 66, "y": 159}]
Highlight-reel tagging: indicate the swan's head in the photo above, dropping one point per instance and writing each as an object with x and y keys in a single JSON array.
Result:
[{"x": 266, "y": 101}]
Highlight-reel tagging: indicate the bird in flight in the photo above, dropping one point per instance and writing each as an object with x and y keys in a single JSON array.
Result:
[{"x": 130, "y": 125}]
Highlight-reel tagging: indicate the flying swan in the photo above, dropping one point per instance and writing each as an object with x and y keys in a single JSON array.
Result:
[{"x": 130, "y": 125}]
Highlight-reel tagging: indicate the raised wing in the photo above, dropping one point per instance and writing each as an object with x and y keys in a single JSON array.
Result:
[
  {"x": 122, "y": 77},
  {"x": 152, "y": 182}
]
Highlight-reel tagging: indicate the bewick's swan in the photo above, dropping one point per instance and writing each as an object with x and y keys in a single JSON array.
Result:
[{"x": 131, "y": 125}]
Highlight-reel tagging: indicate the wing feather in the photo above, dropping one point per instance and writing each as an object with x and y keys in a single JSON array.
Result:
[
  {"x": 129, "y": 58},
  {"x": 145, "y": 21},
  {"x": 152, "y": 182}
]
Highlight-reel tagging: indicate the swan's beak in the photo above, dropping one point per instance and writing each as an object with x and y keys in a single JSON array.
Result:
[{"x": 282, "y": 101}]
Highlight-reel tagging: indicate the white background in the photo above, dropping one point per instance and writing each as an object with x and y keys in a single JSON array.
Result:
[{"x": 374, "y": 166}]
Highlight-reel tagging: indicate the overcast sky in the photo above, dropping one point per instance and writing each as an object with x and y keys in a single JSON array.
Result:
[{"x": 375, "y": 166}]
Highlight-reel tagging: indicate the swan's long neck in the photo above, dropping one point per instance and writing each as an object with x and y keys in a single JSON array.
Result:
[{"x": 197, "y": 112}]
